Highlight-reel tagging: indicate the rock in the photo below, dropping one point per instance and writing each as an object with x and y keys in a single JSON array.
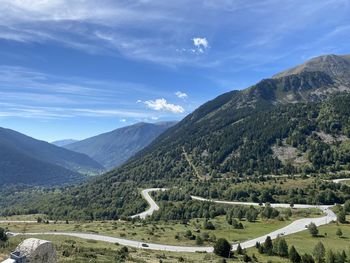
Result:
[{"x": 37, "y": 251}]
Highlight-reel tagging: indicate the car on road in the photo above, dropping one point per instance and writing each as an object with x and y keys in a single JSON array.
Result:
[{"x": 144, "y": 245}]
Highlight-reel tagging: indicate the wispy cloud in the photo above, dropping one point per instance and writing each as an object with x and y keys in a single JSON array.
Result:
[
  {"x": 168, "y": 32},
  {"x": 181, "y": 95},
  {"x": 26, "y": 93}
]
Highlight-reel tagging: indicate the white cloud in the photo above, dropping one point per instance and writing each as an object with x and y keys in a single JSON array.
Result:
[
  {"x": 181, "y": 95},
  {"x": 200, "y": 43},
  {"x": 163, "y": 105}
]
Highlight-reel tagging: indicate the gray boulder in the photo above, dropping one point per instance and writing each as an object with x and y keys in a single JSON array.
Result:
[{"x": 37, "y": 251}]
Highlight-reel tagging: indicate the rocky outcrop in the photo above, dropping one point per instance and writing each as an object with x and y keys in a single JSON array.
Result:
[{"x": 37, "y": 251}]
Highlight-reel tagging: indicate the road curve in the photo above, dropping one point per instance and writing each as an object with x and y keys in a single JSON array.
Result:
[
  {"x": 153, "y": 205},
  {"x": 294, "y": 227}
]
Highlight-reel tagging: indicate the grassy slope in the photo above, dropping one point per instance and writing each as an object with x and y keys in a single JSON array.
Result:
[
  {"x": 81, "y": 250},
  {"x": 160, "y": 232}
]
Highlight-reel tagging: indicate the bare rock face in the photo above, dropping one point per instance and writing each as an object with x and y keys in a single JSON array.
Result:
[
  {"x": 37, "y": 251},
  {"x": 337, "y": 67}
]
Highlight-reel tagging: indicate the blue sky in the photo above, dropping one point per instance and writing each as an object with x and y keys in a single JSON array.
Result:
[{"x": 74, "y": 68}]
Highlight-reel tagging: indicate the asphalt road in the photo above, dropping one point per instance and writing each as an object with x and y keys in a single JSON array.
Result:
[
  {"x": 153, "y": 205},
  {"x": 337, "y": 181},
  {"x": 294, "y": 227}
]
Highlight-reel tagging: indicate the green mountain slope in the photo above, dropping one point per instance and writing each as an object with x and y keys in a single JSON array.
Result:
[
  {"x": 113, "y": 148},
  {"x": 26, "y": 160},
  {"x": 242, "y": 132},
  {"x": 295, "y": 123}
]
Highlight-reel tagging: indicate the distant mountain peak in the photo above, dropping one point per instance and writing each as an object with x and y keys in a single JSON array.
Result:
[
  {"x": 336, "y": 66},
  {"x": 62, "y": 143},
  {"x": 113, "y": 148}
]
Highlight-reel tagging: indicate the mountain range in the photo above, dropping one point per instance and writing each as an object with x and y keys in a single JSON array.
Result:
[
  {"x": 113, "y": 148},
  {"x": 296, "y": 122},
  {"x": 29, "y": 161},
  {"x": 244, "y": 132}
]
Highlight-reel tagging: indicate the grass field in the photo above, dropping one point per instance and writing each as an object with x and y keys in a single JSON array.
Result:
[
  {"x": 77, "y": 250},
  {"x": 171, "y": 232},
  {"x": 160, "y": 232}
]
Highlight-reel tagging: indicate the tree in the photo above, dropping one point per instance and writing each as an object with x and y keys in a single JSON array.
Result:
[
  {"x": 122, "y": 255},
  {"x": 347, "y": 206},
  {"x": 251, "y": 214},
  {"x": 306, "y": 258},
  {"x": 222, "y": 248},
  {"x": 247, "y": 258},
  {"x": 268, "y": 246},
  {"x": 340, "y": 257},
  {"x": 294, "y": 255},
  {"x": 319, "y": 252},
  {"x": 330, "y": 257},
  {"x": 239, "y": 249},
  {"x": 341, "y": 217},
  {"x": 339, "y": 233},
  {"x": 280, "y": 247},
  {"x": 313, "y": 229},
  {"x": 3, "y": 236}
]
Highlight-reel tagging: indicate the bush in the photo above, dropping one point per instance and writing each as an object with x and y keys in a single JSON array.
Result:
[
  {"x": 199, "y": 240},
  {"x": 208, "y": 225},
  {"x": 339, "y": 233}
]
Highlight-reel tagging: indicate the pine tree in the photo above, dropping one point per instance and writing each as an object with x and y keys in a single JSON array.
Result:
[
  {"x": 294, "y": 255},
  {"x": 330, "y": 257},
  {"x": 268, "y": 246},
  {"x": 306, "y": 258},
  {"x": 3, "y": 236},
  {"x": 282, "y": 248},
  {"x": 239, "y": 249},
  {"x": 319, "y": 252}
]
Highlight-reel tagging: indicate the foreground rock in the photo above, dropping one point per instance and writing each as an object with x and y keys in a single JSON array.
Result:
[{"x": 37, "y": 251}]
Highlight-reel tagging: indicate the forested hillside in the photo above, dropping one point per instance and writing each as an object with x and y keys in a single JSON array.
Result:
[
  {"x": 113, "y": 148},
  {"x": 297, "y": 123},
  {"x": 315, "y": 137},
  {"x": 30, "y": 161}
]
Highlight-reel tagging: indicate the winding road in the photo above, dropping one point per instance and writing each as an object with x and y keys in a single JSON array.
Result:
[
  {"x": 294, "y": 227},
  {"x": 153, "y": 205}
]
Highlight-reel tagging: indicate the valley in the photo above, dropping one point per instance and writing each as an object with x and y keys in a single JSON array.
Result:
[
  {"x": 264, "y": 166},
  {"x": 144, "y": 233}
]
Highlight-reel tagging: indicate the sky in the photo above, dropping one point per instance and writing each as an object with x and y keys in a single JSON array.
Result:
[{"x": 77, "y": 68}]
